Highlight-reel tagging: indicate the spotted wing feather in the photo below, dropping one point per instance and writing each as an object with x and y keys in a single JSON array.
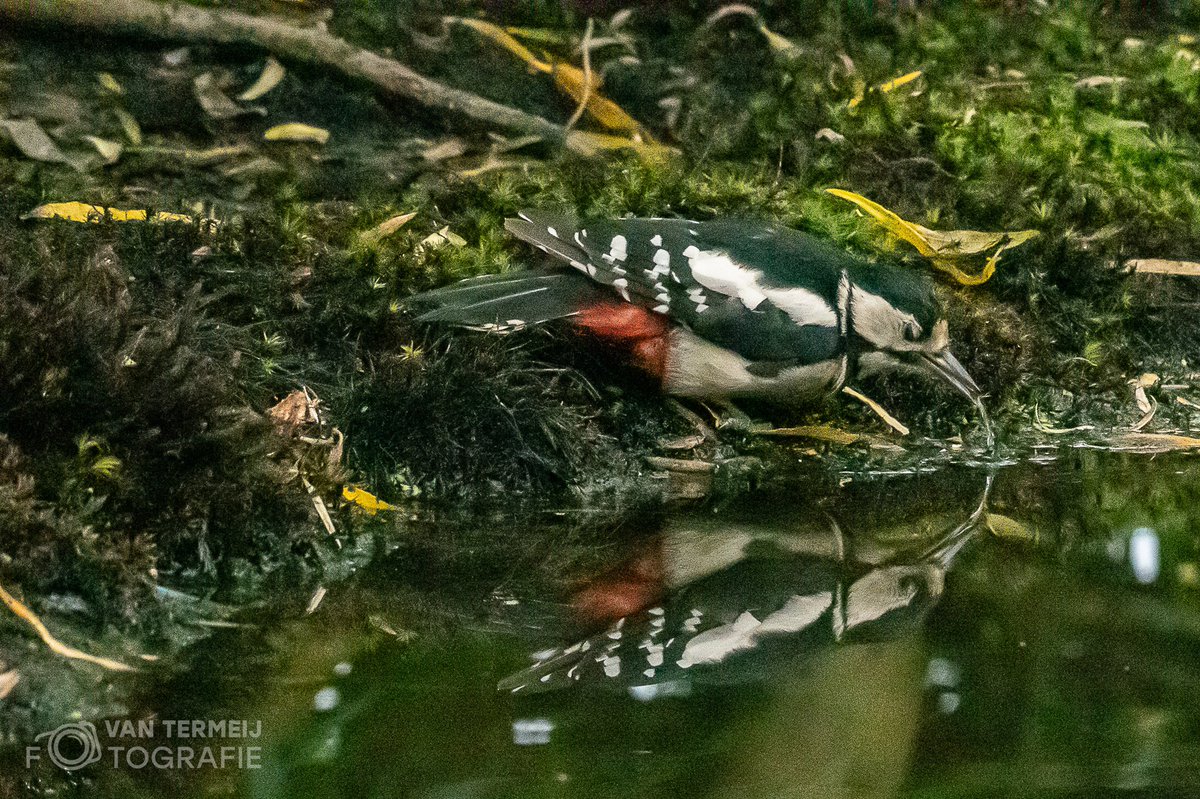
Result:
[{"x": 690, "y": 272}]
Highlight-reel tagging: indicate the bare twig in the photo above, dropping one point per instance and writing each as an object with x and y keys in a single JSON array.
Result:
[
  {"x": 879, "y": 410},
  {"x": 56, "y": 646},
  {"x": 587, "y": 75},
  {"x": 180, "y": 21}
]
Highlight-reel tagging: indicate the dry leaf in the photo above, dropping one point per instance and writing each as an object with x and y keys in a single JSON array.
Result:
[
  {"x": 387, "y": 227},
  {"x": 32, "y": 141},
  {"x": 569, "y": 79},
  {"x": 290, "y": 412},
  {"x": 364, "y": 499},
  {"x": 82, "y": 212},
  {"x": 109, "y": 150},
  {"x": 130, "y": 126},
  {"x": 273, "y": 72},
  {"x": 297, "y": 132},
  {"x": 946, "y": 250},
  {"x": 1152, "y": 443},
  {"x": 829, "y": 135},
  {"x": 879, "y": 410},
  {"x": 1010, "y": 529},
  {"x": 450, "y": 148},
  {"x": 315, "y": 602},
  {"x": 8, "y": 681},
  {"x": 1095, "y": 81},
  {"x": 441, "y": 238},
  {"x": 109, "y": 83},
  {"x": 215, "y": 102},
  {"x": 815, "y": 432},
  {"x": 1163, "y": 266}
]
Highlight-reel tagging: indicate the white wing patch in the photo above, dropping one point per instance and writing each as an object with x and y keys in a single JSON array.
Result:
[
  {"x": 803, "y": 306},
  {"x": 717, "y": 272}
]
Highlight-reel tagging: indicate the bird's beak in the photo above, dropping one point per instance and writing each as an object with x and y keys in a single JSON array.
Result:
[{"x": 947, "y": 367}]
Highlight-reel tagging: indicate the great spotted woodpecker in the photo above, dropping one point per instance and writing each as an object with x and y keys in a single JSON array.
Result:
[
  {"x": 717, "y": 600},
  {"x": 717, "y": 310}
]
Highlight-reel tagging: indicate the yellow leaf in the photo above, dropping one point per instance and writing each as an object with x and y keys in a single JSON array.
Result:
[
  {"x": 133, "y": 131},
  {"x": 297, "y": 131},
  {"x": 387, "y": 227},
  {"x": 82, "y": 212},
  {"x": 947, "y": 251},
  {"x": 570, "y": 79},
  {"x": 109, "y": 83},
  {"x": 273, "y": 72},
  {"x": 588, "y": 143},
  {"x": 894, "y": 83},
  {"x": 364, "y": 499}
]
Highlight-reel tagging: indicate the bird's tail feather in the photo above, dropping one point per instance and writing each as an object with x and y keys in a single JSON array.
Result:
[{"x": 503, "y": 303}]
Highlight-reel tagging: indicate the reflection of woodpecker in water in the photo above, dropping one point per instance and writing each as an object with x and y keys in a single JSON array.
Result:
[{"x": 727, "y": 605}]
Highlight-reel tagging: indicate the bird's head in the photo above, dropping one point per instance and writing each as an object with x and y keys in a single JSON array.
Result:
[{"x": 897, "y": 321}]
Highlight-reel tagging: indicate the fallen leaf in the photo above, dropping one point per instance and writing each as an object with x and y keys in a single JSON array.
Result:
[
  {"x": 1163, "y": 266},
  {"x": 315, "y": 602},
  {"x": 441, "y": 238},
  {"x": 589, "y": 143},
  {"x": 109, "y": 83},
  {"x": 109, "y": 150},
  {"x": 297, "y": 132},
  {"x": 8, "y": 681},
  {"x": 82, "y": 212},
  {"x": 1151, "y": 443},
  {"x": 815, "y": 432},
  {"x": 364, "y": 499},
  {"x": 570, "y": 79},
  {"x": 290, "y": 412},
  {"x": 130, "y": 126},
  {"x": 946, "y": 250},
  {"x": 273, "y": 72},
  {"x": 387, "y": 227},
  {"x": 450, "y": 148},
  {"x": 32, "y": 141},
  {"x": 891, "y": 85},
  {"x": 215, "y": 102},
  {"x": 1095, "y": 81},
  {"x": 1010, "y": 529}
]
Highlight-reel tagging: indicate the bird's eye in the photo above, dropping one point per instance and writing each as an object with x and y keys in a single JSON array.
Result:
[{"x": 912, "y": 332}]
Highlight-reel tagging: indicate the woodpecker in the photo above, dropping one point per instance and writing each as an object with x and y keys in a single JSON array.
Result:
[
  {"x": 739, "y": 599},
  {"x": 719, "y": 310}
]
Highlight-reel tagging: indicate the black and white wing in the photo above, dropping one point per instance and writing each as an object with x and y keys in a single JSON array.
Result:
[{"x": 767, "y": 293}]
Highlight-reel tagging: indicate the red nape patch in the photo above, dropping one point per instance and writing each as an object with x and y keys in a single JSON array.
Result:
[{"x": 639, "y": 331}]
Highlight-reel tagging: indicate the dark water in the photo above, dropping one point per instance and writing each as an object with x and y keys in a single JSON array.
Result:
[{"x": 932, "y": 635}]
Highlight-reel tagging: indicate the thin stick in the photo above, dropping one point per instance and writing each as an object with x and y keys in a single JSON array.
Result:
[
  {"x": 880, "y": 411},
  {"x": 180, "y": 21},
  {"x": 587, "y": 75},
  {"x": 58, "y": 647}
]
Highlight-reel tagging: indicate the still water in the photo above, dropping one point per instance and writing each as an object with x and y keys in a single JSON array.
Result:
[{"x": 1029, "y": 631}]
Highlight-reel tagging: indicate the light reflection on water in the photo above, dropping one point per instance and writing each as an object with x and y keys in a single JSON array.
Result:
[{"x": 895, "y": 638}]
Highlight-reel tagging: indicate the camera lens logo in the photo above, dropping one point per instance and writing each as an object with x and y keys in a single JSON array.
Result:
[{"x": 72, "y": 746}]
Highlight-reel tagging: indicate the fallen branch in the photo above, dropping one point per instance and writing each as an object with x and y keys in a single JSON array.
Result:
[
  {"x": 57, "y": 647},
  {"x": 179, "y": 21}
]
